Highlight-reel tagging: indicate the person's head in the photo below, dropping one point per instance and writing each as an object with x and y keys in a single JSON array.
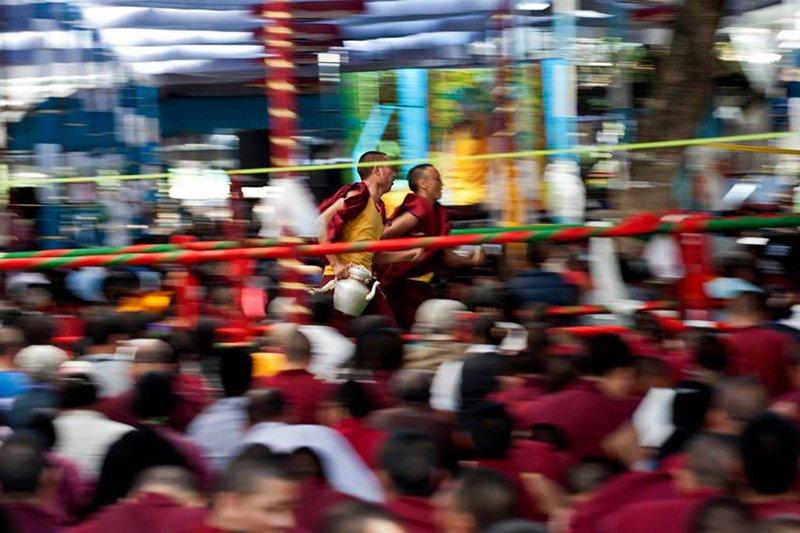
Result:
[
  {"x": 264, "y": 405},
  {"x": 475, "y": 501},
  {"x": 38, "y": 329},
  {"x": 23, "y": 467},
  {"x": 425, "y": 180},
  {"x": 321, "y": 305},
  {"x": 723, "y": 514},
  {"x": 485, "y": 331},
  {"x": 172, "y": 481},
  {"x": 437, "y": 316},
  {"x": 354, "y": 399},
  {"x": 690, "y": 408},
  {"x": 152, "y": 355},
  {"x": 235, "y": 372},
  {"x": 749, "y": 308},
  {"x": 489, "y": 428},
  {"x": 11, "y": 341},
  {"x": 652, "y": 372},
  {"x": 360, "y": 517},
  {"x": 380, "y": 175},
  {"x": 586, "y": 477},
  {"x": 298, "y": 350},
  {"x": 610, "y": 359},
  {"x": 736, "y": 402},
  {"x": 98, "y": 330},
  {"x": 711, "y": 353},
  {"x": 778, "y": 524},
  {"x": 41, "y": 361},
  {"x": 412, "y": 386},
  {"x": 379, "y": 349},
  {"x": 712, "y": 461},
  {"x": 78, "y": 391},
  {"x": 769, "y": 452},
  {"x": 153, "y": 397},
  {"x": 255, "y": 496},
  {"x": 410, "y": 463}
]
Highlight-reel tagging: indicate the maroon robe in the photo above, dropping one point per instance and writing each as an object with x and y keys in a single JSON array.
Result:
[
  {"x": 314, "y": 499},
  {"x": 192, "y": 392},
  {"x": 528, "y": 457},
  {"x": 196, "y": 462},
  {"x": 406, "y": 295},
  {"x": 658, "y": 516},
  {"x": 353, "y": 206},
  {"x": 582, "y": 411},
  {"x": 624, "y": 489},
  {"x": 366, "y": 441},
  {"x": 303, "y": 393},
  {"x": 417, "y": 514},
  {"x": 147, "y": 512},
  {"x": 73, "y": 493},
  {"x": 530, "y": 389},
  {"x": 774, "y": 508},
  {"x": 29, "y": 518},
  {"x": 764, "y": 353}
]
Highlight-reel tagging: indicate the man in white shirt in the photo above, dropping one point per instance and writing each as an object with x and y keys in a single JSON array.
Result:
[
  {"x": 83, "y": 434},
  {"x": 344, "y": 470},
  {"x": 329, "y": 348}
]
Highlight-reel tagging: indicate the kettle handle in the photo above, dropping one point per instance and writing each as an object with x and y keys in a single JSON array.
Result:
[
  {"x": 374, "y": 290},
  {"x": 325, "y": 288}
]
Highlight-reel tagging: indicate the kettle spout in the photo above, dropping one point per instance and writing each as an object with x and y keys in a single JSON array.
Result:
[{"x": 374, "y": 290}]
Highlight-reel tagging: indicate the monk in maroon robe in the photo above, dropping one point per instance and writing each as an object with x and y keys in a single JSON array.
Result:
[
  {"x": 163, "y": 500},
  {"x": 355, "y": 214},
  {"x": 408, "y": 284},
  {"x": 304, "y": 394}
]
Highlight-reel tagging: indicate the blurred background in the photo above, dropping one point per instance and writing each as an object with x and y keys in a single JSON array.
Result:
[{"x": 191, "y": 90}]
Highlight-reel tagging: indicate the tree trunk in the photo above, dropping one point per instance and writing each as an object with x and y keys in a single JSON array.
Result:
[{"x": 676, "y": 106}]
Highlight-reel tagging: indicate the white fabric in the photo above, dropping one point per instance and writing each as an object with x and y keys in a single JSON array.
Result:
[
  {"x": 446, "y": 386},
  {"x": 329, "y": 350},
  {"x": 85, "y": 437},
  {"x": 111, "y": 372},
  {"x": 344, "y": 469}
]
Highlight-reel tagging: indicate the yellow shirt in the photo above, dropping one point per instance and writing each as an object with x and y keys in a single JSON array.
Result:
[
  {"x": 367, "y": 226},
  {"x": 467, "y": 182}
]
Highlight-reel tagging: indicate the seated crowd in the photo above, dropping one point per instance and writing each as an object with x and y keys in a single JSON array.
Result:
[{"x": 460, "y": 427}]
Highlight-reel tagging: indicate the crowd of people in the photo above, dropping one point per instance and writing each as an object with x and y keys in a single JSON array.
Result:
[{"x": 473, "y": 411}]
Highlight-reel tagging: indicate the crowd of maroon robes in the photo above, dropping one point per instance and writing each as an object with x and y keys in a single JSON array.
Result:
[{"x": 562, "y": 422}]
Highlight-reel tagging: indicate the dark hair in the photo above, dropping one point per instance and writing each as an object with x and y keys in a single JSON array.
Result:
[
  {"x": 298, "y": 348},
  {"x": 410, "y": 458},
  {"x": 415, "y": 174},
  {"x": 235, "y": 372},
  {"x": 22, "y": 462},
  {"x": 153, "y": 396},
  {"x": 608, "y": 352},
  {"x": 264, "y": 405},
  {"x": 244, "y": 474},
  {"x": 689, "y": 409},
  {"x": 380, "y": 349},
  {"x": 711, "y": 353},
  {"x": 488, "y": 496},
  {"x": 321, "y": 305},
  {"x": 591, "y": 473},
  {"x": 354, "y": 397},
  {"x": 373, "y": 156},
  {"x": 412, "y": 385},
  {"x": 723, "y": 513},
  {"x": 490, "y": 428},
  {"x": 41, "y": 427},
  {"x": 769, "y": 452},
  {"x": 353, "y": 517},
  {"x": 98, "y": 329},
  {"x": 77, "y": 391},
  {"x": 38, "y": 328},
  {"x": 552, "y": 435},
  {"x": 485, "y": 331}
]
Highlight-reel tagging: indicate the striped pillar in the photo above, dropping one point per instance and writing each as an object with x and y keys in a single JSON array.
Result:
[{"x": 283, "y": 119}]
